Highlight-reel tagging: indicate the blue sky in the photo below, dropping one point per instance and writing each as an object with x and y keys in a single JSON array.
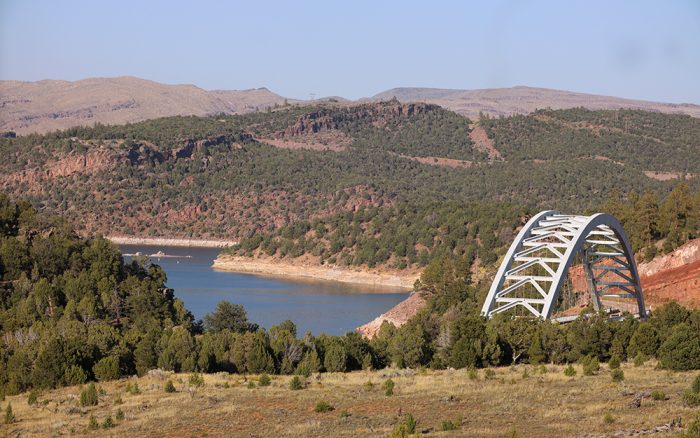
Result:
[{"x": 637, "y": 49}]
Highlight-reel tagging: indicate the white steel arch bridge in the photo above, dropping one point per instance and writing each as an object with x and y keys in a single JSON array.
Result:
[{"x": 537, "y": 265}]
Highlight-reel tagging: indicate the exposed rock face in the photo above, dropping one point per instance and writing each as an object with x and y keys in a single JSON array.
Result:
[
  {"x": 397, "y": 315},
  {"x": 683, "y": 255},
  {"x": 673, "y": 277}
]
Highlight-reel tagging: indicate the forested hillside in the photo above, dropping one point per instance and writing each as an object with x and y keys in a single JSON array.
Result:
[
  {"x": 234, "y": 176},
  {"x": 71, "y": 311}
]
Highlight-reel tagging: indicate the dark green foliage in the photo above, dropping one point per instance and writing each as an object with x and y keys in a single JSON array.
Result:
[
  {"x": 570, "y": 371},
  {"x": 617, "y": 375},
  {"x": 88, "y": 396},
  {"x": 591, "y": 366},
  {"x": 335, "y": 358},
  {"x": 264, "y": 380},
  {"x": 614, "y": 362},
  {"x": 681, "y": 350},
  {"x": 32, "y": 399},
  {"x": 296, "y": 384},
  {"x": 227, "y": 316},
  {"x": 119, "y": 415},
  {"x": 108, "y": 423},
  {"x": 169, "y": 387},
  {"x": 535, "y": 353},
  {"x": 639, "y": 360},
  {"x": 323, "y": 406},
  {"x": 107, "y": 369},
  {"x": 691, "y": 397},
  {"x": 389, "y": 387}
]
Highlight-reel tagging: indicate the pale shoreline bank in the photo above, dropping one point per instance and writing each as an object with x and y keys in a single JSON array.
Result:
[
  {"x": 158, "y": 241},
  {"x": 282, "y": 269}
]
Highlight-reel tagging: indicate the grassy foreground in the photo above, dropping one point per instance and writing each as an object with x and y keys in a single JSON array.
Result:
[{"x": 532, "y": 404}]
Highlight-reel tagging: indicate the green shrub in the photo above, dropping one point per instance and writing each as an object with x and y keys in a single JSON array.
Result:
[
  {"x": 92, "y": 423},
  {"x": 264, "y": 380},
  {"x": 570, "y": 371},
  {"x": 120, "y": 414},
  {"x": 323, "y": 406},
  {"x": 196, "y": 380},
  {"x": 614, "y": 362},
  {"x": 608, "y": 418},
  {"x": 33, "y": 397},
  {"x": 107, "y": 369},
  {"x": 108, "y": 423},
  {"x": 344, "y": 414},
  {"x": 591, "y": 366},
  {"x": 169, "y": 387},
  {"x": 542, "y": 369},
  {"x": 693, "y": 430},
  {"x": 473, "y": 373},
  {"x": 658, "y": 395},
  {"x": 88, "y": 396},
  {"x": 639, "y": 360},
  {"x": 617, "y": 375},
  {"x": 489, "y": 373},
  {"x": 448, "y": 425},
  {"x": 681, "y": 349},
  {"x": 404, "y": 428},
  {"x": 9, "y": 415},
  {"x": 251, "y": 384},
  {"x": 691, "y": 397},
  {"x": 389, "y": 388},
  {"x": 133, "y": 389},
  {"x": 295, "y": 384}
]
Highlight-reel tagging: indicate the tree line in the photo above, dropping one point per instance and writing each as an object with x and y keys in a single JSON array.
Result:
[{"x": 72, "y": 311}]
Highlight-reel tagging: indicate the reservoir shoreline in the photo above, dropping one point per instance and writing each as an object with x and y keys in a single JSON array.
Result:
[
  {"x": 276, "y": 268},
  {"x": 161, "y": 241}
]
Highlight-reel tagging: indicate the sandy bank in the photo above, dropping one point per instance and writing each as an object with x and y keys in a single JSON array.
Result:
[
  {"x": 286, "y": 269},
  {"x": 157, "y": 241}
]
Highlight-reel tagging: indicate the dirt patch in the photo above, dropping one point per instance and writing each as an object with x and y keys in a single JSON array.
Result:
[
  {"x": 311, "y": 144},
  {"x": 483, "y": 143},
  {"x": 667, "y": 176}
]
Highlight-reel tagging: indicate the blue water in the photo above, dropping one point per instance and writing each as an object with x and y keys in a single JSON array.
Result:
[{"x": 317, "y": 306}]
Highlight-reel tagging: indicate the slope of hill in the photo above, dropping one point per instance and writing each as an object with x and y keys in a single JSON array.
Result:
[
  {"x": 49, "y": 105},
  {"x": 43, "y": 106},
  {"x": 229, "y": 177},
  {"x": 524, "y": 100}
]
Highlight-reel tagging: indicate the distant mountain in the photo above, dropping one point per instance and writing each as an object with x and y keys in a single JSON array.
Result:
[
  {"x": 524, "y": 100},
  {"x": 48, "y": 105},
  {"x": 44, "y": 106}
]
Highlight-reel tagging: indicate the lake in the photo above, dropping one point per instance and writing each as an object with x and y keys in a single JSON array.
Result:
[{"x": 317, "y": 306}]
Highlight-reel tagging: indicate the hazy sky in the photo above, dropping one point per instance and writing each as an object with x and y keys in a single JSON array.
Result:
[{"x": 636, "y": 49}]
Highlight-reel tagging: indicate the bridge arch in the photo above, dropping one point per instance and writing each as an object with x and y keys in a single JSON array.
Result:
[{"x": 538, "y": 262}]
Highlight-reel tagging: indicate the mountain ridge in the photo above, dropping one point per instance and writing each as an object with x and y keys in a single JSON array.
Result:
[{"x": 47, "y": 105}]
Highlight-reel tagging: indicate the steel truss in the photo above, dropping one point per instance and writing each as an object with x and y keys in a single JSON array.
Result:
[{"x": 537, "y": 263}]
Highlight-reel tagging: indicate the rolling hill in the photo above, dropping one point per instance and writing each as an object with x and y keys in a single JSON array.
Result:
[{"x": 44, "y": 106}]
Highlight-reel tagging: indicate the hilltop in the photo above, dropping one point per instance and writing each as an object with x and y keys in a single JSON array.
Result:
[
  {"x": 48, "y": 105},
  {"x": 523, "y": 100}
]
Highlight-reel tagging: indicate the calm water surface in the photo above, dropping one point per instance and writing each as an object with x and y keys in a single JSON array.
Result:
[{"x": 316, "y": 306}]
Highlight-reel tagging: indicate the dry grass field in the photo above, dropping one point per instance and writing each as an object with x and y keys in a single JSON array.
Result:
[{"x": 533, "y": 405}]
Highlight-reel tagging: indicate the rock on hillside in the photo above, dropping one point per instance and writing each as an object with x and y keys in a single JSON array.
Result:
[
  {"x": 49, "y": 105},
  {"x": 524, "y": 100}
]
